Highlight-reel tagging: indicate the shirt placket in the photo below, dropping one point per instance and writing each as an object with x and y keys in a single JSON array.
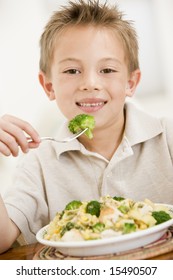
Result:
[{"x": 124, "y": 151}]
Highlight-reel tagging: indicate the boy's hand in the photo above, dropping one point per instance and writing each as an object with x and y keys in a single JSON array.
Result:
[{"x": 12, "y": 136}]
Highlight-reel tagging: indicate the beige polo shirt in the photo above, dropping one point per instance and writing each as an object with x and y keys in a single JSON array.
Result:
[{"x": 49, "y": 177}]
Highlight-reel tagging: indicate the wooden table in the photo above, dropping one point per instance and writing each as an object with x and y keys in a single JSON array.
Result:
[{"x": 27, "y": 253}]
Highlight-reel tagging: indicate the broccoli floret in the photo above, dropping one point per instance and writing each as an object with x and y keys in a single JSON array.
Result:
[
  {"x": 160, "y": 216},
  {"x": 129, "y": 227},
  {"x": 80, "y": 122},
  {"x": 75, "y": 204},
  {"x": 99, "y": 227},
  {"x": 93, "y": 208},
  {"x": 61, "y": 214},
  {"x": 66, "y": 228},
  {"x": 123, "y": 208},
  {"x": 118, "y": 198}
]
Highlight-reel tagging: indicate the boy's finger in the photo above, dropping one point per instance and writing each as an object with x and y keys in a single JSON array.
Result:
[
  {"x": 4, "y": 150},
  {"x": 13, "y": 139},
  {"x": 33, "y": 145},
  {"x": 12, "y": 134},
  {"x": 8, "y": 142},
  {"x": 23, "y": 125}
]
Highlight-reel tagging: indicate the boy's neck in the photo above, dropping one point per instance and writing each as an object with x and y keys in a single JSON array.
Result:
[{"x": 105, "y": 142}]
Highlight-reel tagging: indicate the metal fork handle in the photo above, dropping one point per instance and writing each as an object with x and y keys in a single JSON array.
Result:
[
  {"x": 67, "y": 139},
  {"x": 29, "y": 140}
]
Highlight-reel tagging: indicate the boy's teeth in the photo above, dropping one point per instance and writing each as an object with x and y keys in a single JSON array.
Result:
[{"x": 82, "y": 104}]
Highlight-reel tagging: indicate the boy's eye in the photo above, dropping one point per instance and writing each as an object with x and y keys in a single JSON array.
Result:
[
  {"x": 72, "y": 71},
  {"x": 108, "y": 70}
]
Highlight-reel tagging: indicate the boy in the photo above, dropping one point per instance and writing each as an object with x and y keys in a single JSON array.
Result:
[{"x": 89, "y": 64}]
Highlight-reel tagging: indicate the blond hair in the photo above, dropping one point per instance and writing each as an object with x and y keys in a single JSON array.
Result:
[{"x": 89, "y": 12}]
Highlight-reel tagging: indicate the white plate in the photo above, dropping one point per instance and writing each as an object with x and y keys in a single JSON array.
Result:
[{"x": 108, "y": 245}]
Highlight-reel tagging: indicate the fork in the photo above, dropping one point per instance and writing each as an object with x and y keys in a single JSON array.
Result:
[{"x": 67, "y": 139}]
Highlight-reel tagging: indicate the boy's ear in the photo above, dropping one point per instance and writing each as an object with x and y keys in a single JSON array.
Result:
[
  {"x": 47, "y": 85},
  {"x": 133, "y": 82}
]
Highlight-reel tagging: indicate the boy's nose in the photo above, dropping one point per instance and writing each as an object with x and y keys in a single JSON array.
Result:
[{"x": 90, "y": 82}]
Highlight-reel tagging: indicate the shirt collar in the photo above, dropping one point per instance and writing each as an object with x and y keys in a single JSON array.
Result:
[
  {"x": 140, "y": 126},
  {"x": 62, "y": 133}
]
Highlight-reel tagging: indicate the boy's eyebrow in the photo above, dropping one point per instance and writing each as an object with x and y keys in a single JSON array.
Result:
[
  {"x": 102, "y": 60},
  {"x": 69, "y": 59},
  {"x": 111, "y": 59}
]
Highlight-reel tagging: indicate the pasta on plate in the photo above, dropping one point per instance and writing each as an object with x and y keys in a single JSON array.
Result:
[{"x": 108, "y": 217}]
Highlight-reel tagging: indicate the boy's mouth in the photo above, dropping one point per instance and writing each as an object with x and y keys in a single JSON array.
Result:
[
  {"x": 95, "y": 104},
  {"x": 90, "y": 106}
]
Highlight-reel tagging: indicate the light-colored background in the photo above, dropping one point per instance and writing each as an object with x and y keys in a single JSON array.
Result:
[{"x": 21, "y": 24}]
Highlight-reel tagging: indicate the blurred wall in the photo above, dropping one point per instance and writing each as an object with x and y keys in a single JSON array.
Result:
[{"x": 21, "y": 24}]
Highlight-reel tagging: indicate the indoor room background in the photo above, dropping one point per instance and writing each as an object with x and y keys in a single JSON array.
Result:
[{"x": 21, "y": 24}]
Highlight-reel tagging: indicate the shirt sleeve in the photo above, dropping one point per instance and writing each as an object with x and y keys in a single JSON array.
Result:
[
  {"x": 25, "y": 200},
  {"x": 168, "y": 126}
]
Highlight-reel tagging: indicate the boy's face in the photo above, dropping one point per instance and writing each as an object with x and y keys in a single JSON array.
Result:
[{"x": 89, "y": 75}]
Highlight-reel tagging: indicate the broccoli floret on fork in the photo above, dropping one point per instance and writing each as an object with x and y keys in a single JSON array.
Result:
[{"x": 81, "y": 122}]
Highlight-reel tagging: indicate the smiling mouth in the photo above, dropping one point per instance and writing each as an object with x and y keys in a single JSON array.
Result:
[{"x": 94, "y": 104}]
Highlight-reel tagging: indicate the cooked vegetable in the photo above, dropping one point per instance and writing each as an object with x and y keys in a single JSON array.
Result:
[
  {"x": 80, "y": 122},
  {"x": 123, "y": 208},
  {"x": 105, "y": 218},
  {"x": 129, "y": 227},
  {"x": 99, "y": 227},
  {"x": 75, "y": 204},
  {"x": 118, "y": 198},
  {"x": 67, "y": 227},
  {"x": 161, "y": 216},
  {"x": 93, "y": 208}
]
